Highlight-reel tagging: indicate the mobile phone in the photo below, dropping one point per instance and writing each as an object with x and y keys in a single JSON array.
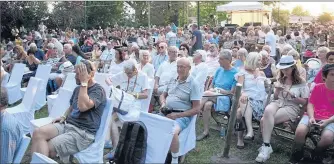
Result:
[{"x": 316, "y": 125}]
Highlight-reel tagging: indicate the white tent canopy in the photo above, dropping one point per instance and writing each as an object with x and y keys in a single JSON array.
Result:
[{"x": 241, "y": 6}]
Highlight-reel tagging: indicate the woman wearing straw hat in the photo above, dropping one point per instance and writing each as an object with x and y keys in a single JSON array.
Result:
[{"x": 291, "y": 91}]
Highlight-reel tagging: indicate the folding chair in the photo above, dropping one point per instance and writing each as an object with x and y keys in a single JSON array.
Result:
[
  {"x": 69, "y": 84},
  {"x": 63, "y": 103},
  {"x": 43, "y": 72},
  {"x": 100, "y": 78},
  {"x": 5, "y": 79},
  {"x": 14, "y": 84},
  {"x": 94, "y": 153},
  {"x": 160, "y": 131},
  {"x": 22, "y": 149},
  {"x": 40, "y": 158},
  {"x": 145, "y": 104},
  {"x": 24, "y": 112},
  {"x": 187, "y": 138}
]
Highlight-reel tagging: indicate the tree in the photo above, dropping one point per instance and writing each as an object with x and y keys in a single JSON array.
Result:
[
  {"x": 325, "y": 17},
  {"x": 299, "y": 11},
  {"x": 281, "y": 16}
]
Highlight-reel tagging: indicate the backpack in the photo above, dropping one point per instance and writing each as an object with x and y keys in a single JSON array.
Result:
[{"x": 131, "y": 148}]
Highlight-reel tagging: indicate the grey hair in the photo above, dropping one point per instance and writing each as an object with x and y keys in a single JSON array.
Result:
[
  {"x": 68, "y": 46},
  {"x": 323, "y": 49},
  {"x": 129, "y": 64},
  {"x": 242, "y": 51},
  {"x": 3, "y": 97},
  {"x": 31, "y": 45},
  {"x": 202, "y": 53},
  {"x": 293, "y": 53},
  {"x": 264, "y": 53},
  {"x": 142, "y": 52},
  {"x": 226, "y": 54},
  {"x": 173, "y": 48},
  {"x": 286, "y": 49}
]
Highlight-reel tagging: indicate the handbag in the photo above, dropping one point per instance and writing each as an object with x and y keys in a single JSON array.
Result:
[
  {"x": 122, "y": 101},
  {"x": 240, "y": 124}
]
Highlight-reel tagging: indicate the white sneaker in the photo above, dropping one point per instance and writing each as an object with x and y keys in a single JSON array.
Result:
[
  {"x": 175, "y": 160},
  {"x": 264, "y": 153}
]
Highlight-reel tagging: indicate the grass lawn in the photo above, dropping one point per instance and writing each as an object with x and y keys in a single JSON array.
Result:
[{"x": 213, "y": 146}]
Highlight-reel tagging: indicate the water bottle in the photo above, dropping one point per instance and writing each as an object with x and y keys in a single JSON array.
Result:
[{"x": 222, "y": 132}]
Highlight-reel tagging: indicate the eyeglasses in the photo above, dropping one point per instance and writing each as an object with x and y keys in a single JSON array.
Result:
[
  {"x": 161, "y": 47},
  {"x": 182, "y": 49}
]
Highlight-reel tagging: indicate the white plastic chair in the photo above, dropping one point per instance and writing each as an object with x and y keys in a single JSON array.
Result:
[
  {"x": 69, "y": 84},
  {"x": 94, "y": 153},
  {"x": 100, "y": 78},
  {"x": 14, "y": 84},
  {"x": 63, "y": 103},
  {"x": 145, "y": 104},
  {"x": 187, "y": 138},
  {"x": 160, "y": 131},
  {"x": 43, "y": 72},
  {"x": 24, "y": 112},
  {"x": 40, "y": 158},
  {"x": 22, "y": 149}
]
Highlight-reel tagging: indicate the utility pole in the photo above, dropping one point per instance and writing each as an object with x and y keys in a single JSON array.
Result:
[
  {"x": 149, "y": 14},
  {"x": 85, "y": 15},
  {"x": 198, "y": 15}
]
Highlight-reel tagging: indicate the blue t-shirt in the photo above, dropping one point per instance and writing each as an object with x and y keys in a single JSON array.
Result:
[
  {"x": 238, "y": 63},
  {"x": 224, "y": 79},
  {"x": 198, "y": 44}
]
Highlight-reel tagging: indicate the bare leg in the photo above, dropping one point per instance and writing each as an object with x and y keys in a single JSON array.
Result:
[
  {"x": 240, "y": 133},
  {"x": 206, "y": 116},
  {"x": 40, "y": 139},
  {"x": 58, "y": 81},
  {"x": 174, "y": 148}
]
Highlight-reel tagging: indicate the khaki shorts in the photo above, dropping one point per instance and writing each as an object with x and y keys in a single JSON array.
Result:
[{"x": 70, "y": 140}]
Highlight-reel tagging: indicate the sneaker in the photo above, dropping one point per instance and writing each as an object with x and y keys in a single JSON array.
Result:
[
  {"x": 264, "y": 153},
  {"x": 175, "y": 160}
]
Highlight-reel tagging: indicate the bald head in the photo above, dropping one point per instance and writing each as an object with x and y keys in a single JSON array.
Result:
[{"x": 184, "y": 61}]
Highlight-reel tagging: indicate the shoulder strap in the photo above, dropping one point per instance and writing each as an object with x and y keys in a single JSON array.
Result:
[
  {"x": 120, "y": 102},
  {"x": 132, "y": 143}
]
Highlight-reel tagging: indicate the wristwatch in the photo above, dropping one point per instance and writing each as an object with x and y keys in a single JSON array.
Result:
[{"x": 84, "y": 84}]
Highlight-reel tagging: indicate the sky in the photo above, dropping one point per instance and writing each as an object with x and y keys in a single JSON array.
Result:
[{"x": 315, "y": 8}]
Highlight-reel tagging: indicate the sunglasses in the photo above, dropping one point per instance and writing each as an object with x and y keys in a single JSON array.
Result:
[
  {"x": 161, "y": 47},
  {"x": 182, "y": 49}
]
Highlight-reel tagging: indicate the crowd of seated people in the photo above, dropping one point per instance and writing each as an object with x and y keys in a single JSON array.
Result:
[{"x": 193, "y": 74}]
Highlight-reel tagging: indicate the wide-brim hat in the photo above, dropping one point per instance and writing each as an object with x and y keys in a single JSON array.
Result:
[{"x": 285, "y": 62}]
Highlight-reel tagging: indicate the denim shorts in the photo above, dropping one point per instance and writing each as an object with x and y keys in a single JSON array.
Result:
[
  {"x": 182, "y": 122},
  {"x": 305, "y": 121}
]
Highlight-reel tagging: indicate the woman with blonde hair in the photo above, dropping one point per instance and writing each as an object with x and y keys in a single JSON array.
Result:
[
  {"x": 253, "y": 95},
  {"x": 299, "y": 65},
  {"x": 144, "y": 65}
]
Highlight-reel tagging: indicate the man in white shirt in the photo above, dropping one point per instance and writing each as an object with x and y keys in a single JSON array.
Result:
[
  {"x": 161, "y": 56},
  {"x": 166, "y": 71},
  {"x": 212, "y": 60},
  {"x": 270, "y": 41},
  {"x": 170, "y": 37},
  {"x": 109, "y": 52},
  {"x": 200, "y": 69}
]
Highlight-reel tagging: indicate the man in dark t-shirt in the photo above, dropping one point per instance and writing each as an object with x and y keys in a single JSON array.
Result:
[
  {"x": 196, "y": 39},
  {"x": 76, "y": 130}
]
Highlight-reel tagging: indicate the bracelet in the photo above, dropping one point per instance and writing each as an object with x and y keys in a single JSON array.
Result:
[{"x": 137, "y": 96}]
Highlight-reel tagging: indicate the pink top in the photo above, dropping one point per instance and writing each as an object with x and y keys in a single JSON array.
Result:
[
  {"x": 318, "y": 78},
  {"x": 323, "y": 102}
]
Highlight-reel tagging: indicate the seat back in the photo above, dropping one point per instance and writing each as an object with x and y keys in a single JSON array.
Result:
[
  {"x": 17, "y": 74},
  {"x": 160, "y": 134},
  {"x": 313, "y": 63},
  {"x": 43, "y": 72},
  {"x": 30, "y": 95},
  {"x": 145, "y": 104},
  {"x": 22, "y": 149},
  {"x": 40, "y": 158},
  {"x": 62, "y": 103},
  {"x": 187, "y": 138},
  {"x": 70, "y": 82},
  {"x": 100, "y": 78},
  {"x": 105, "y": 119}
]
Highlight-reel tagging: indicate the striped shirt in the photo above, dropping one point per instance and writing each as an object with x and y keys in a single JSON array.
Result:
[{"x": 11, "y": 136}]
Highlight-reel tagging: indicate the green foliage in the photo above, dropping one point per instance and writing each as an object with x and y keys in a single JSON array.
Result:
[
  {"x": 103, "y": 13},
  {"x": 325, "y": 17},
  {"x": 299, "y": 11},
  {"x": 281, "y": 16},
  {"x": 208, "y": 9},
  {"x": 67, "y": 14}
]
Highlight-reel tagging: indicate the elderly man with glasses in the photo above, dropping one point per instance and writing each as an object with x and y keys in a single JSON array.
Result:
[
  {"x": 76, "y": 130},
  {"x": 166, "y": 71},
  {"x": 180, "y": 101},
  {"x": 160, "y": 56}
]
